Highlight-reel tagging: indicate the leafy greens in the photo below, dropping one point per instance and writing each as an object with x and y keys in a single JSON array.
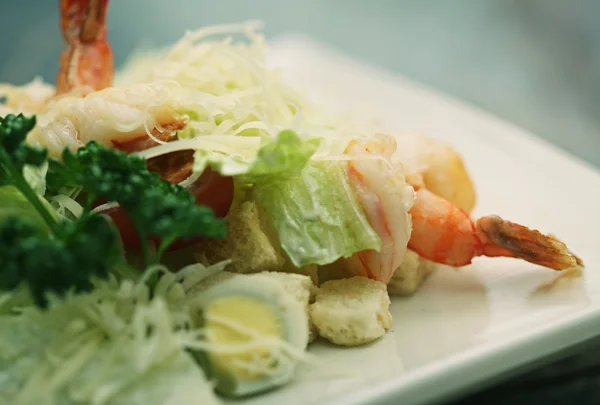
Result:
[
  {"x": 72, "y": 253},
  {"x": 316, "y": 214}
]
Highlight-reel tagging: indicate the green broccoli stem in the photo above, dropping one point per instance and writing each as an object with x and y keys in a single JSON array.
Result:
[
  {"x": 144, "y": 245},
  {"x": 88, "y": 203},
  {"x": 164, "y": 244},
  {"x": 21, "y": 184},
  {"x": 127, "y": 271}
]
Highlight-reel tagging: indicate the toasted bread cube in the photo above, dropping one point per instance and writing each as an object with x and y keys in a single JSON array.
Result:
[
  {"x": 310, "y": 270},
  {"x": 410, "y": 274},
  {"x": 247, "y": 245},
  {"x": 352, "y": 311},
  {"x": 301, "y": 288}
]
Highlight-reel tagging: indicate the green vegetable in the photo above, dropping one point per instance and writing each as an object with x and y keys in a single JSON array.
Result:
[
  {"x": 155, "y": 206},
  {"x": 14, "y": 204},
  {"x": 316, "y": 214},
  {"x": 57, "y": 257},
  {"x": 285, "y": 155},
  {"x": 81, "y": 251},
  {"x": 15, "y": 154},
  {"x": 36, "y": 177}
]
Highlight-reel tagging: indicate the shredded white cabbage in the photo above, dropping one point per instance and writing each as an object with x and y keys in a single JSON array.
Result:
[
  {"x": 67, "y": 202},
  {"x": 227, "y": 144},
  {"x": 105, "y": 207},
  {"x": 213, "y": 82},
  {"x": 226, "y": 87},
  {"x": 115, "y": 345}
]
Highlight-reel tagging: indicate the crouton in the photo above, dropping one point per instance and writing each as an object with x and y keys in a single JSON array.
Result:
[
  {"x": 301, "y": 288},
  {"x": 308, "y": 270},
  {"x": 246, "y": 245},
  {"x": 251, "y": 245},
  {"x": 410, "y": 274},
  {"x": 352, "y": 311}
]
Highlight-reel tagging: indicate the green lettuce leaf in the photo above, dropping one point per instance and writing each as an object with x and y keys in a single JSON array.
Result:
[
  {"x": 316, "y": 214},
  {"x": 14, "y": 204},
  {"x": 285, "y": 155},
  {"x": 36, "y": 177}
]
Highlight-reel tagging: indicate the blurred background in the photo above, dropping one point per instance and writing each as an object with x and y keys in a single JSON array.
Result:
[{"x": 533, "y": 62}]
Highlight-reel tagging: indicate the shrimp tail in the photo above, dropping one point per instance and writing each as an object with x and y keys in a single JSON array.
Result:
[
  {"x": 511, "y": 239},
  {"x": 443, "y": 233},
  {"x": 86, "y": 64}
]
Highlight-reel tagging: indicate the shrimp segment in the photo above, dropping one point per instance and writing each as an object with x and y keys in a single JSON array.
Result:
[
  {"x": 87, "y": 62},
  {"x": 440, "y": 231},
  {"x": 445, "y": 234},
  {"x": 527, "y": 244},
  {"x": 385, "y": 198},
  {"x": 436, "y": 166},
  {"x": 114, "y": 116}
]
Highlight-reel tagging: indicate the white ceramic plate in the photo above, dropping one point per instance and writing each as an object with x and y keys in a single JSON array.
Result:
[{"x": 469, "y": 326}]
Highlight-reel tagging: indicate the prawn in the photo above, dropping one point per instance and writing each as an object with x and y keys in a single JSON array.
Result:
[
  {"x": 444, "y": 233},
  {"x": 131, "y": 118},
  {"x": 437, "y": 230},
  {"x": 381, "y": 189},
  {"x": 86, "y": 108},
  {"x": 86, "y": 64}
]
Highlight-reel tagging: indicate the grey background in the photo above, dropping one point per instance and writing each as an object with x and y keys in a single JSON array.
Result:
[{"x": 533, "y": 62}]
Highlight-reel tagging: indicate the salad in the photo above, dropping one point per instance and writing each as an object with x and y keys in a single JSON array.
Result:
[{"x": 182, "y": 230}]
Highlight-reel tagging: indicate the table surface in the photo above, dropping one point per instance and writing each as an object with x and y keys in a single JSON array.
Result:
[{"x": 532, "y": 62}]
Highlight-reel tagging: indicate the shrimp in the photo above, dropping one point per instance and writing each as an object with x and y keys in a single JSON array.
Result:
[
  {"x": 30, "y": 98},
  {"x": 430, "y": 225},
  {"x": 386, "y": 198},
  {"x": 130, "y": 118},
  {"x": 85, "y": 108},
  {"x": 86, "y": 64},
  {"x": 437, "y": 167},
  {"x": 444, "y": 233}
]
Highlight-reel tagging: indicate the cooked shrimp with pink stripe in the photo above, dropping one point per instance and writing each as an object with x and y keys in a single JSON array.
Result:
[{"x": 431, "y": 226}]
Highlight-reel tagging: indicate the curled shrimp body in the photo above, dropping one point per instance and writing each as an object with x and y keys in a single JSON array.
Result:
[
  {"x": 439, "y": 231},
  {"x": 386, "y": 198},
  {"x": 113, "y": 116}
]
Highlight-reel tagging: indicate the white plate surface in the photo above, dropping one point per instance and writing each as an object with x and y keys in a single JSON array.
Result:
[{"x": 463, "y": 327}]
